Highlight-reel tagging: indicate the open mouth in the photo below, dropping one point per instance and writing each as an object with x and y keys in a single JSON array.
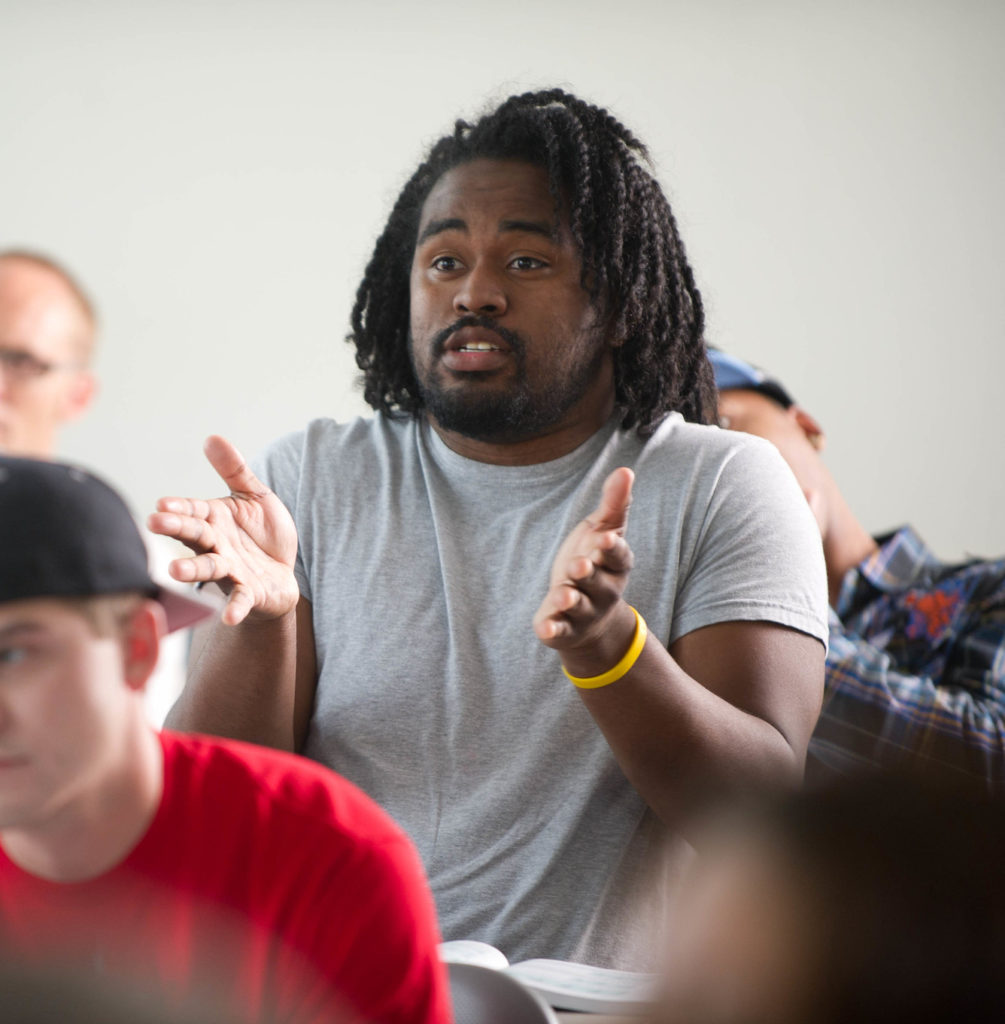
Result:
[
  {"x": 476, "y": 338},
  {"x": 475, "y": 349},
  {"x": 478, "y": 346}
]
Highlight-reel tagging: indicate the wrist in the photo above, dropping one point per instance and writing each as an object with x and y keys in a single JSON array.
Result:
[
  {"x": 276, "y": 616},
  {"x": 605, "y": 652},
  {"x": 275, "y": 598}
]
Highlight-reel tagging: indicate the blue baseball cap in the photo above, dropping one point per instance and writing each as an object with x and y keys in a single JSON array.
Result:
[{"x": 732, "y": 374}]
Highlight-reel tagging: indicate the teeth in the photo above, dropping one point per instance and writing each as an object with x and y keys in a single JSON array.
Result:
[{"x": 479, "y": 346}]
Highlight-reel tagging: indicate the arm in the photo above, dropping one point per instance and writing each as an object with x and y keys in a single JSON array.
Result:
[
  {"x": 274, "y": 666},
  {"x": 732, "y": 704},
  {"x": 252, "y": 675},
  {"x": 876, "y": 714}
]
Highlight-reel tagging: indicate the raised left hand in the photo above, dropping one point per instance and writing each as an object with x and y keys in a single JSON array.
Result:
[{"x": 582, "y": 614}]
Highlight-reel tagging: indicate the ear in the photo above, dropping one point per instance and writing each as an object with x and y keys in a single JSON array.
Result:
[
  {"x": 141, "y": 643},
  {"x": 809, "y": 426},
  {"x": 80, "y": 393}
]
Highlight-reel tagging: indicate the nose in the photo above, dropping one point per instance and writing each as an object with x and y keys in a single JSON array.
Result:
[{"x": 482, "y": 292}]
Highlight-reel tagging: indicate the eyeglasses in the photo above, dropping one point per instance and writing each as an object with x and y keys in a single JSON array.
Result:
[{"x": 21, "y": 366}]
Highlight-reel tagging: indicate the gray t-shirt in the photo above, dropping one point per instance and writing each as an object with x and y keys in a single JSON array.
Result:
[{"x": 424, "y": 570}]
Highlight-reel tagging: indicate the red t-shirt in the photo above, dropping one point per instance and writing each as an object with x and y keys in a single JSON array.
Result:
[{"x": 265, "y": 880}]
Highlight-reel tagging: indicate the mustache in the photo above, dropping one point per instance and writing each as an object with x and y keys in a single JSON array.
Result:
[{"x": 514, "y": 340}]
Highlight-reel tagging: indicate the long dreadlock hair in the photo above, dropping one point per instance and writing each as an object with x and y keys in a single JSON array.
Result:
[{"x": 632, "y": 257}]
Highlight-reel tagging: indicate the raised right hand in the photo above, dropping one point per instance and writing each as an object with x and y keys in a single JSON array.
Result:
[{"x": 246, "y": 542}]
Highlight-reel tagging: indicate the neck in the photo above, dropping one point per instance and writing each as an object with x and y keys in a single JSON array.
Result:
[
  {"x": 553, "y": 443},
  {"x": 95, "y": 830},
  {"x": 846, "y": 542}
]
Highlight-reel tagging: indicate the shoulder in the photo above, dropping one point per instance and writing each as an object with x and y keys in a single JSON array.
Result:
[
  {"x": 703, "y": 464},
  {"x": 275, "y": 793},
  {"x": 728, "y": 509},
  {"x": 295, "y": 845},
  {"x": 328, "y": 458},
  {"x": 705, "y": 446},
  {"x": 325, "y": 440}
]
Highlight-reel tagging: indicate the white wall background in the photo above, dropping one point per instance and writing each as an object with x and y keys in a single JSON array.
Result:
[{"x": 216, "y": 172}]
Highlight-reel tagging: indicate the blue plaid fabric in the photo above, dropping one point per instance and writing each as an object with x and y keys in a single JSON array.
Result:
[{"x": 916, "y": 666}]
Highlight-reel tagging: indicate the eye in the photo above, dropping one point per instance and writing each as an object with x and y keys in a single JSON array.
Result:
[
  {"x": 527, "y": 263},
  {"x": 23, "y": 364},
  {"x": 445, "y": 263},
  {"x": 12, "y": 655}
]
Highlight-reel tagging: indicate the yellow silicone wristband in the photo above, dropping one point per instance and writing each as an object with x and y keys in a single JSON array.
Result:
[{"x": 624, "y": 666}]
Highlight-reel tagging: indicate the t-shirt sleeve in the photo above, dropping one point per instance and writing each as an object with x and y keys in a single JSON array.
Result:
[
  {"x": 756, "y": 554},
  {"x": 279, "y": 466}
]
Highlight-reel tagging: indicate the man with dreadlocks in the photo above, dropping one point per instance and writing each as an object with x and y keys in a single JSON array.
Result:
[{"x": 531, "y": 339}]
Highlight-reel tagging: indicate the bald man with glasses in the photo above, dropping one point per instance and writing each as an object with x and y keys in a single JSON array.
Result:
[{"x": 47, "y": 329}]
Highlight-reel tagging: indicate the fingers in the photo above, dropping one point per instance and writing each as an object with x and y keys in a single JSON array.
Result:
[
  {"x": 591, "y": 570},
  {"x": 231, "y": 467},
  {"x": 238, "y": 606},
  {"x": 610, "y": 554},
  {"x": 551, "y": 629},
  {"x": 190, "y": 528},
  {"x": 601, "y": 572},
  {"x": 199, "y": 568},
  {"x": 235, "y": 473},
  {"x": 566, "y": 612},
  {"x": 550, "y": 621},
  {"x": 184, "y": 506},
  {"x": 615, "y": 499}
]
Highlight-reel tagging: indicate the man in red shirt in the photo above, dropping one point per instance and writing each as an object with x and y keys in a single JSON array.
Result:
[{"x": 205, "y": 871}]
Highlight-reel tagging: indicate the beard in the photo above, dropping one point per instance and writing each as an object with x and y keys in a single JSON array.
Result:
[{"x": 521, "y": 412}]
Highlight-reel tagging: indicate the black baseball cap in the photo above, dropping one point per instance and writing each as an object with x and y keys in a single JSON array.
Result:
[{"x": 66, "y": 533}]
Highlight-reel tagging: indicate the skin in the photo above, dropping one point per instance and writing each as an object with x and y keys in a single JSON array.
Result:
[
  {"x": 80, "y": 770},
  {"x": 800, "y": 440},
  {"x": 246, "y": 543},
  {"x": 732, "y": 703},
  {"x": 743, "y": 948},
  {"x": 40, "y": 315},
  {"x": 489, "y": 247}
]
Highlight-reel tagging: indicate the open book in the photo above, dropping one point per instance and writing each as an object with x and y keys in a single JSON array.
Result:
[{"x": 564, "y": 985}]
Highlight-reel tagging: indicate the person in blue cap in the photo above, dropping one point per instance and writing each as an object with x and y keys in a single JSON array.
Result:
[{"x": 916, "y": 660}]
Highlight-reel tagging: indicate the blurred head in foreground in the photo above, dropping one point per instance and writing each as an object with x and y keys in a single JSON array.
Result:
[
  {"x": 876, "y": 900},
  {"x": 32, "y": 996}
]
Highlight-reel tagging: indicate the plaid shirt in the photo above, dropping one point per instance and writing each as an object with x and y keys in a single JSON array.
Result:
[{"x": 916, "y": 666}]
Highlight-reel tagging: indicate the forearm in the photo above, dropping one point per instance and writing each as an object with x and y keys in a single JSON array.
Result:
[
  {"x": 731, "y": 705},
  {"x": 675, "y": 740},
  {"x": 241, "y": 683}
]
